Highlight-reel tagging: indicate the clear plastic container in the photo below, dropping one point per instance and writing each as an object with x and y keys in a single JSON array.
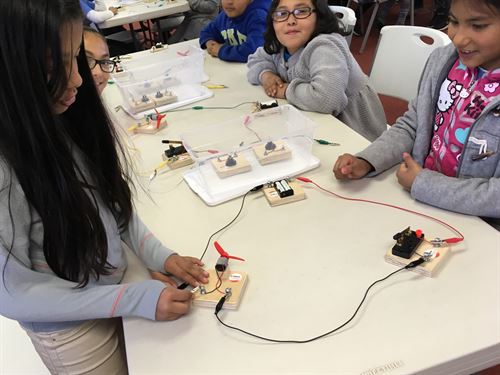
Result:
[
  {"x": 261, "y": 147},
  {"x": 152, "y": 81}
]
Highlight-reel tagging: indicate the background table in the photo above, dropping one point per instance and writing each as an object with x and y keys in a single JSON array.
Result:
[
  {"x": 144, "y": 11},
  {"x": 309, "y": 264}
]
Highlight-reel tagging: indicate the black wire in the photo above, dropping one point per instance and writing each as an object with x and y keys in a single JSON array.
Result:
[
  {"x": 316, "y": 337},
  {"x": 225, "y": 226},
  {"x": 256, "y": 188}
]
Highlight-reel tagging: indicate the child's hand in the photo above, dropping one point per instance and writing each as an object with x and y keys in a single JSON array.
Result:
[
  {"x": 213, "y": 48},
  {"x": 210, "y": 43},
  {"x": 281, "y": 92},
  {"x": 188, "y": 269},
  {"x": 349, "y": 167},
  {"x": 408, "y": 171},
  {"x": 163, "y": 278},
  {"x": 172, "y": 304},
  {"x": 114, "y": 10},
  {"x": 271, "y": 83}
]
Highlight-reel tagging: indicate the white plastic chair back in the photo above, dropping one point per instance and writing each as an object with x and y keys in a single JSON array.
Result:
[
  {"x": 400, "y": 59},
  {"x": 347, "y": 19}
]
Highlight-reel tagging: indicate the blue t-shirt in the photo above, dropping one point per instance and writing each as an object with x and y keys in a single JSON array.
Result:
[{"x": 240, "y": 36}]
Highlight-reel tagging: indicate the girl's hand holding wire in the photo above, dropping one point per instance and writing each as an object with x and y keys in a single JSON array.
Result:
[
  {"x": 173, "y": 303},
  {"x": 188, "y": 269},
  {"x": 271, "y": 83},
  {"x": 349, "y": 167},
  {"x": 408, "y": 171}
]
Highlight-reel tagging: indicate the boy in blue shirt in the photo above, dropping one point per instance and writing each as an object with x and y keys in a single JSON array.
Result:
[{"x": 237, "y": 31}]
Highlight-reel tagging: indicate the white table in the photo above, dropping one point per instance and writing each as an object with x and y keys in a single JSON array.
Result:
[
  {"x": 142, "y": 11},
  {"x": 309, "y": 264}
]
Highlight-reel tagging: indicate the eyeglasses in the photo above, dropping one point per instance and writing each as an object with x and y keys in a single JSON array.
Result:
[
  {"x": 299, "y": 13},
  {"x": 107, "y": 66}
]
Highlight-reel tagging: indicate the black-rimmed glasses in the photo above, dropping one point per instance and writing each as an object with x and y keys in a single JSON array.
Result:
[
  {"x": 299, "y": 13},
  {"x": 107, "y": 66}
]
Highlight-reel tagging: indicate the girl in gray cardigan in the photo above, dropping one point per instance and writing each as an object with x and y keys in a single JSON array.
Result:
[
  {"x": 65, "y": 202},
  {"x": 448, "y": 140},
  {"x": 306, "y": 61}
]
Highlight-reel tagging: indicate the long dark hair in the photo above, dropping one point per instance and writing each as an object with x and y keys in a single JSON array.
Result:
[
  {"x": 91, "y": 31},
  {"x": 64, "y": 163},
  {"x": 326, "y": 23},
  {"x": 492, "y": 4}
]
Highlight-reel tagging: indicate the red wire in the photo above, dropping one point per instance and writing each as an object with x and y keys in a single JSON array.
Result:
[{"x": 447, "y": 240}]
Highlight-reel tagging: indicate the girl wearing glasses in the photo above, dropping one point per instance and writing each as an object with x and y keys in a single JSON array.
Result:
[
  {"x": 65, "y": 201},
  {"x": 97, "y": 52},
  {"x": 307, "y": 61}
]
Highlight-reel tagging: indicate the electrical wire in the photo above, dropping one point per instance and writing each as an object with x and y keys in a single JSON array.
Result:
[
  {"x": 200, "y": 107},
  {"x": 447, "y": 240},
  {"x": 185, "y": 284},
  {"x": 410, "y": 265},
  {"x": 246, "y": 123},
  {"x": 221, "y": 303},
  {"x": 218, "y": 284},
  {"x": 228, "y": 224}
]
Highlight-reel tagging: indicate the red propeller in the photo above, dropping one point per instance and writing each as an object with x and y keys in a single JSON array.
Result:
[
  {"x": 223, "y": 253},
  {"x": 159, "y": 117}
]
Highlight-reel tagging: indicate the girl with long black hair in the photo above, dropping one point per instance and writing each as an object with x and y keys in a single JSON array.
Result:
[{"x": 65, "y": 201}]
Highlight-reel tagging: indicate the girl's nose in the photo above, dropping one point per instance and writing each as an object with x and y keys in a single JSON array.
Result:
[
  {"x": 75, "y": 80},
  {"x": 292, "y": 20},
  {"x": 459, "y": 37},
  {"x": 96, "y": 71}
]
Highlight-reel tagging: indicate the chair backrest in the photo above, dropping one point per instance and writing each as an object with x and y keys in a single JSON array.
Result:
[
  {"x": 347, "y": 19},
  {"x": 400, "y": 59}
]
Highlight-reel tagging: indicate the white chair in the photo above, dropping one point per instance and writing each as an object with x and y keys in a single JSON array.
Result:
[
  {"x": 347, "y": 19},
  {"x": 374, "y": 14},
  {"x": 400, "y": 58}
]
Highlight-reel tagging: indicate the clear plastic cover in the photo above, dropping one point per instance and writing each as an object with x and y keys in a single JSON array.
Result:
[
  {"x": 154, "y": 81},
  {"x": 234, "y": 156}
]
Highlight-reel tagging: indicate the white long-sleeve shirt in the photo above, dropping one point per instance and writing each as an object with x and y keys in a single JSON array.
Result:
[{"x": 95, "y": 12}]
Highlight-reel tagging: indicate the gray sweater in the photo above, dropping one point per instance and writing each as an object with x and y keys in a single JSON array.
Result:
[
  {"x": 207, "y": 9},
  {"x": 476, "y": 189},
  {"x": 41, "y": 301},
  {"x": 324, "y": 77}
]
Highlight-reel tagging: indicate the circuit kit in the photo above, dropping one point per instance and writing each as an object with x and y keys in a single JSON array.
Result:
[
  {"x": 222, "y": 282},
  {"x": 283, "y": 191},
  {"x": 411, "y": 246},
  {"x": 151, "y": 124}
]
